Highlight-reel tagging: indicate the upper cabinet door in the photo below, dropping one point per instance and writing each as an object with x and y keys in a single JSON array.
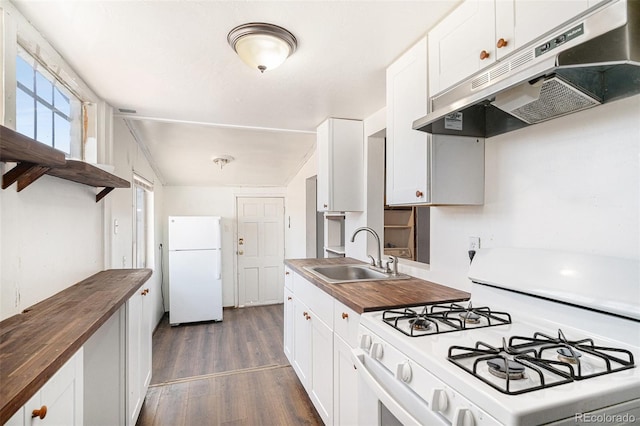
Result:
[
  {"x": 520, "y": 22},
  {"x": 406, "y": 148},
  {"x": 340, "y": 151},
  {"x": 463, "y": 43}
]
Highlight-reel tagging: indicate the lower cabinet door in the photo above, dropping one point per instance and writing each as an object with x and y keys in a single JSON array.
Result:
[
  {"x": 321, "y": 368},
  {"x": 288, "y": 324},
  {"x": 138, "y": 352},
  {"x": 59, "y": 401},
  {"x": 345, "y": 382},
  {"x": 301, "y": 343}
]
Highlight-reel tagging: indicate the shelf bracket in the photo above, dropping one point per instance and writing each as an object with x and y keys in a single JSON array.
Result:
[
  {"x": 100, "y": 195},
  {"x": 24, "y": 173}
]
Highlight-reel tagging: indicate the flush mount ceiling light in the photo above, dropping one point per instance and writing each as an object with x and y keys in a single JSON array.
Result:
[
  {"x": 222, "y": 160},
  {"x": 262, "y": 46}
]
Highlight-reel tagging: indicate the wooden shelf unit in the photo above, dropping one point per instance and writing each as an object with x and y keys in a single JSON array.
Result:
[
  {"x": 35, "y": 159},
  {"x": 399, "y": 232}
]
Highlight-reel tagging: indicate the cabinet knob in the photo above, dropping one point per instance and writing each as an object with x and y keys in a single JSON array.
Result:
[
  {"x": 325, "y": 206},
  {"x": 41, "y": 412},
  {"x": 419, "y": 194},
  {"x": 304, "y": 314},
  {"x": 308, "y": 317},
  {"x": 144, "y": 292},
  {"x": 484, "y": 55},
  {"x": 286, "y": 273},
  {"x": 501, "y": 43},
  {"x": 345, "y": 315},
  {"x": 289, "y": 298}
]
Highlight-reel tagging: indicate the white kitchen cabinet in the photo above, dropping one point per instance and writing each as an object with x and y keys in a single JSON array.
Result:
[
  {"x": 308, "y": 322},
  {"x": 457, "y": 42},
  {"x": 139, "y": 333},
  {"x": 340, "y": 151},
  {"x": 288, "y": 321},
  {"x": 479, "y": 32},
  {"x": 425, "y": 169},
  {"x": 406, "y": 149},
  {"x": 59, "y": 400}
]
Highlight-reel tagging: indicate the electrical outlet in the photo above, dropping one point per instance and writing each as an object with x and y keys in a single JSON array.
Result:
[{"x": 474, "y": 243}]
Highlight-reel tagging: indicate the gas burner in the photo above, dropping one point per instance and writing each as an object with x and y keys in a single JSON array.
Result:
[
  {"x": 569, "y": 355},
  {"x": 504, "y": 368},
  {"x": 420, "y": 323},
  {"x": 470, "y": 317}
]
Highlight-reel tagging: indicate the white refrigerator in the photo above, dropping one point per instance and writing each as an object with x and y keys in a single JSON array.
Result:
[{"x": 195, "y": 276}]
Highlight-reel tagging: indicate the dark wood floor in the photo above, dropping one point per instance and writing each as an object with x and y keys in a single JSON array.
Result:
[{"x": 229, "y": 373}]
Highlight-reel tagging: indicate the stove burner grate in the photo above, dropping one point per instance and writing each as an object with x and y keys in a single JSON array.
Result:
[
  {"x": 438, "y": 319},
  {"x": 531, "y": 356}
]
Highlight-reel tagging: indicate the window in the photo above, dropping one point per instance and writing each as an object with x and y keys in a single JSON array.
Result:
[
  {"x": 45, "y": 109},
  {"x": 143, "y": 228}
]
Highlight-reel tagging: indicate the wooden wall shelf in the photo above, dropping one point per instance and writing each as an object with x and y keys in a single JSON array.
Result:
[{"x": 36, "y": 159}]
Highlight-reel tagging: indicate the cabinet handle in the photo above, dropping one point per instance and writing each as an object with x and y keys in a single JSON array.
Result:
[
  {"x": 345, "y": 315},
  {"x": 304, "y": 314},
  {"x": 308, "y": 317},
  {"x": 286, "y": 273},
  {"x": 325, "y": 206},
  {"x": 502, "y": 43},
  {"x": 289, "y": 298},
  {"x": 419, "y": 194},
  {"x": 484, "y": 55},
  {"x": 144, "y": 292},
  {"x": 42, "y": 412}
]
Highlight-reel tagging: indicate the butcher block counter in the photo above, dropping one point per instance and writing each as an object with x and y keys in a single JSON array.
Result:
[
  {"x": 364, "y": 296},
  {"x": 37, "y": 342}
]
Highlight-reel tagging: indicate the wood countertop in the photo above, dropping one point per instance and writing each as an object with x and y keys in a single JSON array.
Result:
[
  {"x": 37, "y": 342},
  {"x": 364, "y": 296}
]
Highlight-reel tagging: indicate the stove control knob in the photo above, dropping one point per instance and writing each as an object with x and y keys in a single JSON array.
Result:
[
  {"x": 376, "y": 351},
  {"x": 404, "y": 372},
  {"x": 365, "y": 342},
  {"x": 463, "y": 417},
  {"x": 439, "y": 401}
]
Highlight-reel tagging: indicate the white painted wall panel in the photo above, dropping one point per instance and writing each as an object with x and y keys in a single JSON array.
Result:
[{"x": 569, "y": 184}]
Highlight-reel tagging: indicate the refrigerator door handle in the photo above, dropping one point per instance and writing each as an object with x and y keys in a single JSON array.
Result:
[{"x": 219, "y": 265}]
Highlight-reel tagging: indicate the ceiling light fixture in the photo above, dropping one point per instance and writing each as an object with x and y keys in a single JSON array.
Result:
[
  {"x": 261, "y": 45},
  {"x": 222, "y": 161}
]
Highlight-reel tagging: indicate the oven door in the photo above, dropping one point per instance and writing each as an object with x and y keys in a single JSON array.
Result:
[{"x": 385, "y": 400}]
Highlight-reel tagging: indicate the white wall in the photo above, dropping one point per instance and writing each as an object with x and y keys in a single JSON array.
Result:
[
  {"x": 295, "y": 211},
  {"x": 127, "y": 157},
  {"x": 569, "y": 184},
  {"x": 213, "y": 201}
]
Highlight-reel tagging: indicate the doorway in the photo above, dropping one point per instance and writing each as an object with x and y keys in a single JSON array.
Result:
[{"x": 260, "y": 250}]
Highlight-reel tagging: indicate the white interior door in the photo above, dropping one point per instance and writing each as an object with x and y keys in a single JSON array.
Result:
[{"x": 260, "y": 250}]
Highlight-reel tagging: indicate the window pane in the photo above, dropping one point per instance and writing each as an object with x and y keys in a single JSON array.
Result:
[
  {"x": 44, "y": 124},
  {"x": 24, "y": 73},
  {"x": 44, "y": 88},
  {"x": 24, "y": 114},
  {"x": 61, "y": 102},
  {"x": 62, "y": 129}
]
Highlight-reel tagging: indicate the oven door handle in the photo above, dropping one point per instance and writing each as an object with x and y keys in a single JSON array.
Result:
[{"x": 405, "y": 417}]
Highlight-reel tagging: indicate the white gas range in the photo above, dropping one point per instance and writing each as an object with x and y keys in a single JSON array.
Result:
[{"x": 557, "y": 347}]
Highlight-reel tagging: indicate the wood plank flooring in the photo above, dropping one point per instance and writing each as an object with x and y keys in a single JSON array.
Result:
[{"x": 229, "y": 373}]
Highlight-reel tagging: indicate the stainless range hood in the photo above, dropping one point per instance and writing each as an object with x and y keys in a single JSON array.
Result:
[{"x": 590, "y": 61}]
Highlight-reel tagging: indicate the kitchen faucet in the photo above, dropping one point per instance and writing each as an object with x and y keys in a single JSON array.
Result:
[{"x": 375, "y": 263}]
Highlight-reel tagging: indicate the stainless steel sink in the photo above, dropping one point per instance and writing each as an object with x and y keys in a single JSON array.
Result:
[{"x": 335, "y": 274}]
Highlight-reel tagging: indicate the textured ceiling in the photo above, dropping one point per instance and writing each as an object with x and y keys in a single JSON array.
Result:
[{"x": 170, "y": 61}]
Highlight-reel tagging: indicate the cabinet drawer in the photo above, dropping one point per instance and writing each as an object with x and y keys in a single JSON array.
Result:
[
  {"x": 288, "y": 278},
  {"x": 317, "y": 300},
  {"x": 345, "y": 323}
]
